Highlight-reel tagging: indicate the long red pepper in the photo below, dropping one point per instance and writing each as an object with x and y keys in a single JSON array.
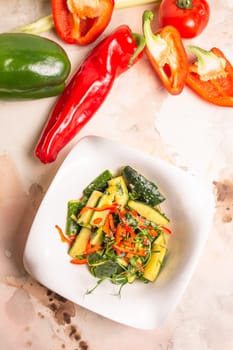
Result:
[{"x": 87, "y": 90}]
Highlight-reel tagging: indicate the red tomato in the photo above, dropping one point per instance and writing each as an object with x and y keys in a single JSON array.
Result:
[{"x": 189, "y": 17}]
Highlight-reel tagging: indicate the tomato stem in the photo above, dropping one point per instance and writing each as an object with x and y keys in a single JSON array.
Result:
[{"x": 184, "y": 4}]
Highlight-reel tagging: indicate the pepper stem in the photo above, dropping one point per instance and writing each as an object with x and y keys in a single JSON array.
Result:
[
  {"x": 140, "y": 41},
  {"x": 184, "y": 4},
  {"x": 155, "y": 44},
  {"x": 209, "y": 66}
]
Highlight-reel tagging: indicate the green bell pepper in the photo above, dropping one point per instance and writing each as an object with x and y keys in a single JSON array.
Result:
[{"x": 31, "y": 67}]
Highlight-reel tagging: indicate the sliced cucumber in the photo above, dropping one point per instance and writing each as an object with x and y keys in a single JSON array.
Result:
[
  {"x": 99, "y": 183},
  {"x": 80, "y": 243},
  {"x": 98, "y": 218},
  {"x": 148, "y": 212},
  {"x": 118, "y": 187},
  {"x": 73, "y": 207},
  {"x": 84, "y": 218},
  {"x": 97, "y": 237},
  {"x": 141, "y": 188},
  {"x": 159, "y": 249}
]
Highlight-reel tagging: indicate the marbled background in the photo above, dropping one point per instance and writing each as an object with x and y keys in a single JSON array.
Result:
[{"x": 183, "y": 130}]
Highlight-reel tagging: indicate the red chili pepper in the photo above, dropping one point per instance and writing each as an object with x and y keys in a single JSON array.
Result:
[
  {"x": 166, "y": 54},
  {"x": 81, "y": 22},
  {"x": 211, "y": 76},
  {"x": 87, "y": 90}
]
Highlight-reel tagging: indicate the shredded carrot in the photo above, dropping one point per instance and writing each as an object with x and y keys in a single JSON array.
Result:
[
  {"x": 112, "y": 208},
  {"x": 111, "y": 223},
  {"x": 97, "y": 221},
  {"x": 167, "y": 230},
  {"x": 126, "y": 226},
  {"x": 128, "y": 244},
  {"x": 106, "y": 227},
  {"x": 84, "y": 209},
  {"x": 72, "y": 237},
  {"x": 127, "y": 250},
  {"x": 62, "y": 236},
  {"x": 78, "y": 262},
  {"x": 118, "y": 235},
  {"x": 92, "y": 249}
]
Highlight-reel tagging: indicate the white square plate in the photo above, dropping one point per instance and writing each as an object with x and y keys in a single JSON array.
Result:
[{"x": 189, "y": 205}]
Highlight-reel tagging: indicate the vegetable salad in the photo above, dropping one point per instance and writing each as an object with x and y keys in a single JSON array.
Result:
[{"x": 117, "y": 228}]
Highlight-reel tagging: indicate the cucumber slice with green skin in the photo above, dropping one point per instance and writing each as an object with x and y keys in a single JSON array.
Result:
[
  {"x": 84, "y": 219},
  {"x": 80, "y": 243},
  {"x": 118, "y": 187},
  {"x": 97, "y": 237},
  {"x": 116, "y": 192},
  {"x": 141, "y": 188},
  {"x": 99, "y": 183},
  {"x": 99, "y": 217},
  {"x": 153, "y": 267},
  {"x": 148, "y": 212},
  {"x": 73, "y": 208}
]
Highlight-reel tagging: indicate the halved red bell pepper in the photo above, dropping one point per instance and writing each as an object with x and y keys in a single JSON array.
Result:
[
  {"x": 81, "y": 22},
  {"x": 167, "y": 54},
  {"x": 88, "y": 89},
  {"x": 211, "y": 76}
]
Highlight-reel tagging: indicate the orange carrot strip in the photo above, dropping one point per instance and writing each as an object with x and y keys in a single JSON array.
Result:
[
  {"x": 92, "y": 249},
  {"x": 126, "y": 250},
  {"x": 111, "y": 223},
  {"x": 167, "y": 230},
  {"x": 112, "y": 207},
  {"x": 106, "y": 226},
  {"x": 97, "y": 221},
  {"x": 78, "y": 262},
  {"x": 118, "y": 234},
  {"x": 62, "y": 236}
]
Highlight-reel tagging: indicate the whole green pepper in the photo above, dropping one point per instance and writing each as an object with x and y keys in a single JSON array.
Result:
[{"x": 31, "y": 67}]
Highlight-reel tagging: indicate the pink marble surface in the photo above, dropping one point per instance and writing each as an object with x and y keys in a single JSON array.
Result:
[{"x": 183, "y": 130}]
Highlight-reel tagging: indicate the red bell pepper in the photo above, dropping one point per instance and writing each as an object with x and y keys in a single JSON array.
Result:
[
  {"x": 81, "y": 22},
  {"x": 88, "y": 89},
  {"x": 166, "y": 54},
  {"x": 211, "y": 76}
]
